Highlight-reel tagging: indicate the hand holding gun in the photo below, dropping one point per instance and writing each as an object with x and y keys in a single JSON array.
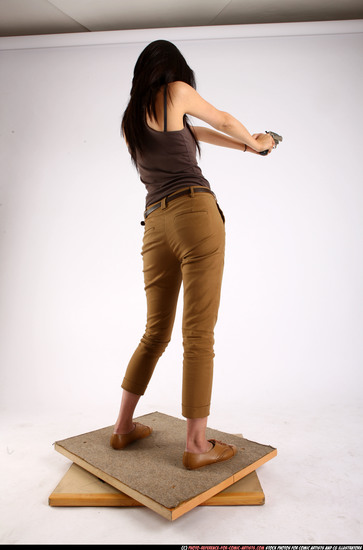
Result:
[{"x": 276, "y": 139}]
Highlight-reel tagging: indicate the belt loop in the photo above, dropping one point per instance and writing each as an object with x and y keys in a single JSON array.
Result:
[
  {"x": 163, "y": 203},
  {"x": 192, "y": 192}
]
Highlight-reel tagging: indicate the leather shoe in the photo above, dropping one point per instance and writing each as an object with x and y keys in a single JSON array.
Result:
[
  {"x": 120, "y": 441},
  {"x": 218, "y": 453}
]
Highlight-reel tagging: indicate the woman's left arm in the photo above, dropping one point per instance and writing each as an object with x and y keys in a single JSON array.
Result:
[{"x": 207, "y": 135}]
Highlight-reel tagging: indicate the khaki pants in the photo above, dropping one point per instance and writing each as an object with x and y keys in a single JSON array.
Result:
[{"x": 183, "y": 242}]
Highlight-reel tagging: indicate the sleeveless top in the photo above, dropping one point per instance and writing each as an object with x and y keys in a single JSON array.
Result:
[{"x": 168, "y": 162}]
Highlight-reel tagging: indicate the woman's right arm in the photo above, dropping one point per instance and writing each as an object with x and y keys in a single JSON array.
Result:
[{"x": 191, "y": 103}]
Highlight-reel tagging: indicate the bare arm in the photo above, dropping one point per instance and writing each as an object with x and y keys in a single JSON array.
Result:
[
  {"x": 190, "y": 102},
  {"x": 207, "y": 135}
]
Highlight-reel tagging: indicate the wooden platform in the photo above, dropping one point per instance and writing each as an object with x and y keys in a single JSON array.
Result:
[
  {"x": 80, "y": 488},
  {"x": 151, "y": 472}
]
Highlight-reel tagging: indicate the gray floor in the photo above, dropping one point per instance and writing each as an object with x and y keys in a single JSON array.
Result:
[{"x": 313, "y": 488}]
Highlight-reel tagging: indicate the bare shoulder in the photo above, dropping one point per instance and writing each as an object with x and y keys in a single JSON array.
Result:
[
  {"x": 180, "y": 90},
  {"x": 186, "y": 100},
  {"x": 183, "y": 96}
]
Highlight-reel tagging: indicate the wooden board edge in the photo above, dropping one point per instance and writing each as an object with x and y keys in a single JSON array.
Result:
[
  {"x": 91, "y": 499},
  {"x": 102, "y": 500},
  {"x": 254, "y": 466},
  {"x": 236, "y": 499},
  {"x": 148, "y": 502},
  {"x": 188, "y": 505}
]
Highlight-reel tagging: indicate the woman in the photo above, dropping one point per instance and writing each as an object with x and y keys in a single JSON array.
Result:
[{"x": 183, "y": 240}]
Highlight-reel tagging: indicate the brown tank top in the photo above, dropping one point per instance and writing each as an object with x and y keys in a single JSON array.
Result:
[{"x": 168, "y": 162}]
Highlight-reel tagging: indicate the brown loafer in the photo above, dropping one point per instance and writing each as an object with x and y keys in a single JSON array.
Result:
[
  {"x": 120, "y": 441},
  {"x": 219, "y": 453}
]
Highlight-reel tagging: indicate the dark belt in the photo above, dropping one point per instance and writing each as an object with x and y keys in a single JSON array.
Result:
[{"x": 190, "y": 191}]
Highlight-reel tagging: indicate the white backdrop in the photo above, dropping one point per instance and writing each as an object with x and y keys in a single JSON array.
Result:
[{"x": 72, "y": 299}]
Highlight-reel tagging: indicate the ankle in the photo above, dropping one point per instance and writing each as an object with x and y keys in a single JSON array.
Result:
[
  {"x": 124, "y": 428},
  {"x": 198, "y": 446},
  {"x": 196, "y": 441}
]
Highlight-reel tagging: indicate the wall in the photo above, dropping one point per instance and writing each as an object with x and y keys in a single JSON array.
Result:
[{"x": 71, "y": 290}]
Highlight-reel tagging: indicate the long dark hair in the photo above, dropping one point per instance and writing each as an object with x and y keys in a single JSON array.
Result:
[{"x": 158, "y": 64}]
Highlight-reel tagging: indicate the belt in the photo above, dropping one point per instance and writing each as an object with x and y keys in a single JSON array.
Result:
[{"x": 189, "y": 191}]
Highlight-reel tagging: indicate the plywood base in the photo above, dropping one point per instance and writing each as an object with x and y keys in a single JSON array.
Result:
[
  {"x": 80, "y": 488},
  {"x": 150, "y": 470}
]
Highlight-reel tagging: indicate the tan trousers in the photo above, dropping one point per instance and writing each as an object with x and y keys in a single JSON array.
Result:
[{"x": 183, "y": 242}]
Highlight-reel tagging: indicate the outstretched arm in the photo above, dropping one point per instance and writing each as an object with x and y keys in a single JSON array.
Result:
[
  {"x": 207, "y": 135},
  {"x": 188, "y": 101}
]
